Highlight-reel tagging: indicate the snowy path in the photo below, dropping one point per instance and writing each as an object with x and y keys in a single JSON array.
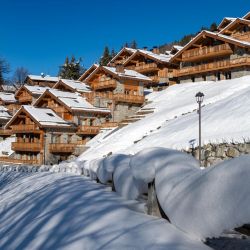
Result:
[{"x": 62, "y": 211}]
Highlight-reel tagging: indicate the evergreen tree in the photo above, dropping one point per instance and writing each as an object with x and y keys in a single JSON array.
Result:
[
  {"x": 106, "y": 57},
  {"x": 4, "y": 69},
  {"x": 113, "y": 53},
  {"x": 133, "y": 44},
  {"x": 71, "y": 69},
  {"x": 213, "y": 27}
]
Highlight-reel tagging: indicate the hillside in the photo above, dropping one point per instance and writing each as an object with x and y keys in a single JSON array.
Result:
[{"x": 175, "y": 121}]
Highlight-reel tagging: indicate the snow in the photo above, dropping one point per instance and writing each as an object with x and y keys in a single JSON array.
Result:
[
  {"x": 36, "y": 90},
  {"x": 160, "y": 57},
  {"x": 63, "y": 211},
  {"x": 5, "y": 146},
  {"x": 45, "y": 116},
  {"x": 128, "y": 73},
  {"x": 174, "y": 122},
  {"x": 44, "y": 78},
  {"x": 4, "y": 113},
  {"x": 76, "y": 85},
  {"x": 7, "y": 97}
]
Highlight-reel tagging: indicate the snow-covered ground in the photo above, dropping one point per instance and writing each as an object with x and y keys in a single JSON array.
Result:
[
  {"x": 64, "y": 211},
  {"x": 175, "y": 121},
  {"x": 5, "y": 146}
]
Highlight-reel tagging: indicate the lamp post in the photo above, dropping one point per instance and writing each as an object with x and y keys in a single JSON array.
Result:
[
  {"x": 44, "y": 148},
  {"x": 199, "y": 99}
]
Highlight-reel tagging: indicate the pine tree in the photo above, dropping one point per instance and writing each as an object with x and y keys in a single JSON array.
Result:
[
  {"x": 71, "y": 69},
  {"x": 113, "y": 53},
  {"x": 133, "y": 44},
  {"x": 213, "y": 27},
  {"x": 106, "y": 57}
]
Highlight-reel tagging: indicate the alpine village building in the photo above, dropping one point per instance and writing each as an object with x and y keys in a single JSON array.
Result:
[{"x": 49, "y": 119}]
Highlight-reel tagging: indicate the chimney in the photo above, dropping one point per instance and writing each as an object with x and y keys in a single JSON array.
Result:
[
  {"x": 145, "y": 48},
  {"x": 42, "y": 75},
  {"x": 119, "y": 68},
  {"x": 156, "y": 50}
]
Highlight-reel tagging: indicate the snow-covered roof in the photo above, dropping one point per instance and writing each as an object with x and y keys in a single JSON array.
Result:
[
  {"x": 125, "y": 49},
  {"x": 76, "y": 85},
  {"x": 160, "y": 57},
  {"x": 7, "y": 97},
  {"x": 128, "y": 74},
  {"x": 75, "y": 101},
  {"x": 236, "y": 20},
  {"x": 36, "y": 90},
  {"x": 4, "y": 113},
  {"x": 8, "y": 88},
  {"x": 44, "y": 78},
  {"x": 88, "y": 71},
  {"x": 46, "y": 116},
  {"x": 226, "y": 19}
]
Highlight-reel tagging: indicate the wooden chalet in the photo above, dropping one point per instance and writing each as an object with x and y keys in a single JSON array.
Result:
[
  {"x": 28, "y": 94},
  {"x": 4, "y": 118},
  {"x": 72, "y": 86},
  {"x": 121, "y": 56},
  {"x": 42, "y": 136},
  {"x": 212, "y": 56},
  {"x": 118, "y": 89},
  {"x": 42, "y": 80},
  {"x": 225, "y": 22},
  {"x": 152, "y": 64},
  {"x": 88, "y": 72},
  {"x": 9, "y": 101},
  {"x": 72, "y": 107}
]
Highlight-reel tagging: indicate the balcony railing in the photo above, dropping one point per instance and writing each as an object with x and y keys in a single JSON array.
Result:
[
  {"x": 129, "y": 98},
  {"x": 25, "y": 98},
  {"x": 88, "y": 130},
  {"x": 19, "y": 161},
  {"x": 104, "y": 84},
  {"x": 110, "y": 125},
  {"x": 62, "y": 147},
  {"x": 26, "y": 146},
  {"x": 218, "y": 65},
  {"x": 5, "y": 132},
  {"x": 22, "y": 128},
  {"x": 194, "y": 54}
]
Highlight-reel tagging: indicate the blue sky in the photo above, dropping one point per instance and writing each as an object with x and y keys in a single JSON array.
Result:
[{"x": 39, "y": 34}]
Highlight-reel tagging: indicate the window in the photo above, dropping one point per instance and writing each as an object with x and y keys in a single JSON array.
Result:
[{"x": 50, "y": 114}]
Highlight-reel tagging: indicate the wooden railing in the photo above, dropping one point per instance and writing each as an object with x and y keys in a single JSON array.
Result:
[
  {"x": 24, "y": 128},
  {"x": 218, "y": 65},
  {"x": 26, "y": 146},
  {"x": 104, "y": 84},
  {"x": 110, "y": 125},
  {"x": 129, "y": 98},
  {"x": 19, "y": 161},
  {"x": 88, "y": 130},
  {"x": 25, "y": 98},
  {"x": 62, "y": 147},
  {"x": 222, "y": 49},
  {"x": 242, "y": 36},
  {"x": 146, "y": 67},
  {"x": 5, "y": 131}
]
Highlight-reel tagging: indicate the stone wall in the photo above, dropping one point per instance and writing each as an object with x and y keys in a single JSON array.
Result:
[{"x": 215, "y": 153}]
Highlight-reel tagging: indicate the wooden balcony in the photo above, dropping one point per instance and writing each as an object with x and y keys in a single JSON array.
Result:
[
  {"x": 242, "y": 36},
  {"x": 25, "y": 99},
  {"x": 5, "y": 132},
  {"x": 62, "y": 147},
  {"x": 25, "y": 128},
  {"x": 129, "y": 98},
  {"x": 88, "y": 130},
  {"x": 19, "y": 161},
  {"x": 110, "y": 125},
  {"x": 214, "y": 66},
  {"x": 146, "y": 67},
  {"x": 206, "y": 52},
  {"x": 26, "y": 146},
  {"x": 104, "y": 84}
]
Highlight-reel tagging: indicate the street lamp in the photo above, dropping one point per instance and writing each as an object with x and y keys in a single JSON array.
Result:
[
  {"x": 44, "y": 148},
  {"x": 199, "y": 99}
]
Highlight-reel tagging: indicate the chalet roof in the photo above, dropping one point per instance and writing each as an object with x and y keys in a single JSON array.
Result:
[
  {"x": 74, "y": 85},
  {"x": 4, "y": 115},
  {"x": 8, "y": 88},
  {"x": 226, "y": 20},
  {"x": 43, "y": 78},
  {"x": 7, "y": 97},
  {"x": 88, "y": 72},
  {"x": 215, "y": 36},
  {"x": 131, "y": 74},
  {"x": 234, "y": 22},
  {"x": 125, "y": 49},
  {"x": 73, "y": 101},
  {"x": 247, "y": 16},
  {"x": 45, "y": 117},
  {"x": 175, "y": 48}
]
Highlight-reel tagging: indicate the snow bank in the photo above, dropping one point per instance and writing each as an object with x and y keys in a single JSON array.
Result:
[
  {"x": 5, "y": 146},
  {"x": 65, "y": 211}
]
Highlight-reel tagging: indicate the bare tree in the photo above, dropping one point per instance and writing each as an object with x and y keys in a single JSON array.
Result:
[{"x": 20, "y": 75}]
